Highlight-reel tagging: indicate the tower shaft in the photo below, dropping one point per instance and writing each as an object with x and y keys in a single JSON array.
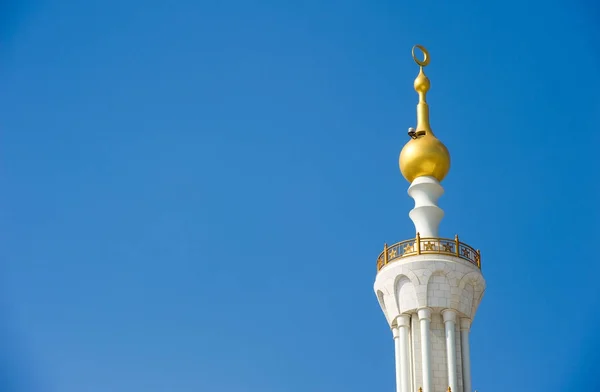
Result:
[{"x": 429, "y": 300}]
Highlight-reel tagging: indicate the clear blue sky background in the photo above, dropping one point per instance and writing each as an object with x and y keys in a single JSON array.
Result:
[{"x": 194, "y": 194}]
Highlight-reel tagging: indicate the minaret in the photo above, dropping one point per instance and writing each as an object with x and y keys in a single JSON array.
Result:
[{"x": 429, "y": 287}]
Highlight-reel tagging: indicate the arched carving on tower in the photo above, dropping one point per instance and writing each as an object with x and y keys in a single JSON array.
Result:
[
  {"x": 381, "y": 300},
  {"x": 478, "y": 295},
  {"x": 438, "y": 268},
  {"x": 406, "y": 296},
  {"x": 470, "y": 291},
  {"x": 467, "y": 296},
  {"x": 410, "y": 275}
]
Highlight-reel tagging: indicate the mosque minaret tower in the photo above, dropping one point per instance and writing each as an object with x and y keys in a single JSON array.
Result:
[{"x": 429, "y": 287}]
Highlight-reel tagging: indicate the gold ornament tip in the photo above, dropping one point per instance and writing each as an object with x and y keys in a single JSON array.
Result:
[
  {"x": 424, "y": 154},
  {"x": 425, "y": 61},
  {"x": 422, "y": 83}
]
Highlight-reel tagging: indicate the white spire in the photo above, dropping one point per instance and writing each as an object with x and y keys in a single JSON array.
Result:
[{"x": 426, "y": 215}]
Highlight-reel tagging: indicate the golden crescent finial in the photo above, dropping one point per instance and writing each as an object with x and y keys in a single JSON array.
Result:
[
  {"x": 424, "y": 154},
  {"x": 425, "y": 61}
]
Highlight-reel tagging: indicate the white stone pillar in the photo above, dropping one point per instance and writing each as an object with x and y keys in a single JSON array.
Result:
[
  {"x": 403, "y": 322},
  {"x": 413, "y": 337},
  {"x": 398, "y": 354},
  {"x": 465, "y": 326},
  {"x": 425, "y": 320},
  {"x": 449, "y": 316},
  {"x": 426, "y": 215}
]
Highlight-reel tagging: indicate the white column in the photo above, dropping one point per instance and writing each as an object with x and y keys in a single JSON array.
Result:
[
  {"x": 403, "y": 326},
  {"x": 426, "y": 215},
  {"x": 413, "y": 337},
  {"x": 449, "y": 316},
  {"x": 465, "y": 326},
  {"x": 425, "y": 320},
  {"x": 398, "y": 352}
]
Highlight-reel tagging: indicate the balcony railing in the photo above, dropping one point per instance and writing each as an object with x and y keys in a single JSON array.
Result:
[{"x": 428, "y": 245}]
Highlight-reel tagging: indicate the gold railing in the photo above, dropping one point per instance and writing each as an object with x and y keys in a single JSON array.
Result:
[{"x": 428, "y": 245}]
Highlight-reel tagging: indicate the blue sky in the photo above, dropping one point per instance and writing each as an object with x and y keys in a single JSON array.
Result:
[{"x": 195, "y": 193}]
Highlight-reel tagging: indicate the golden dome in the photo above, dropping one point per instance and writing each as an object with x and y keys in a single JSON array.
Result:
[{"x": 424, "y": 154}]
